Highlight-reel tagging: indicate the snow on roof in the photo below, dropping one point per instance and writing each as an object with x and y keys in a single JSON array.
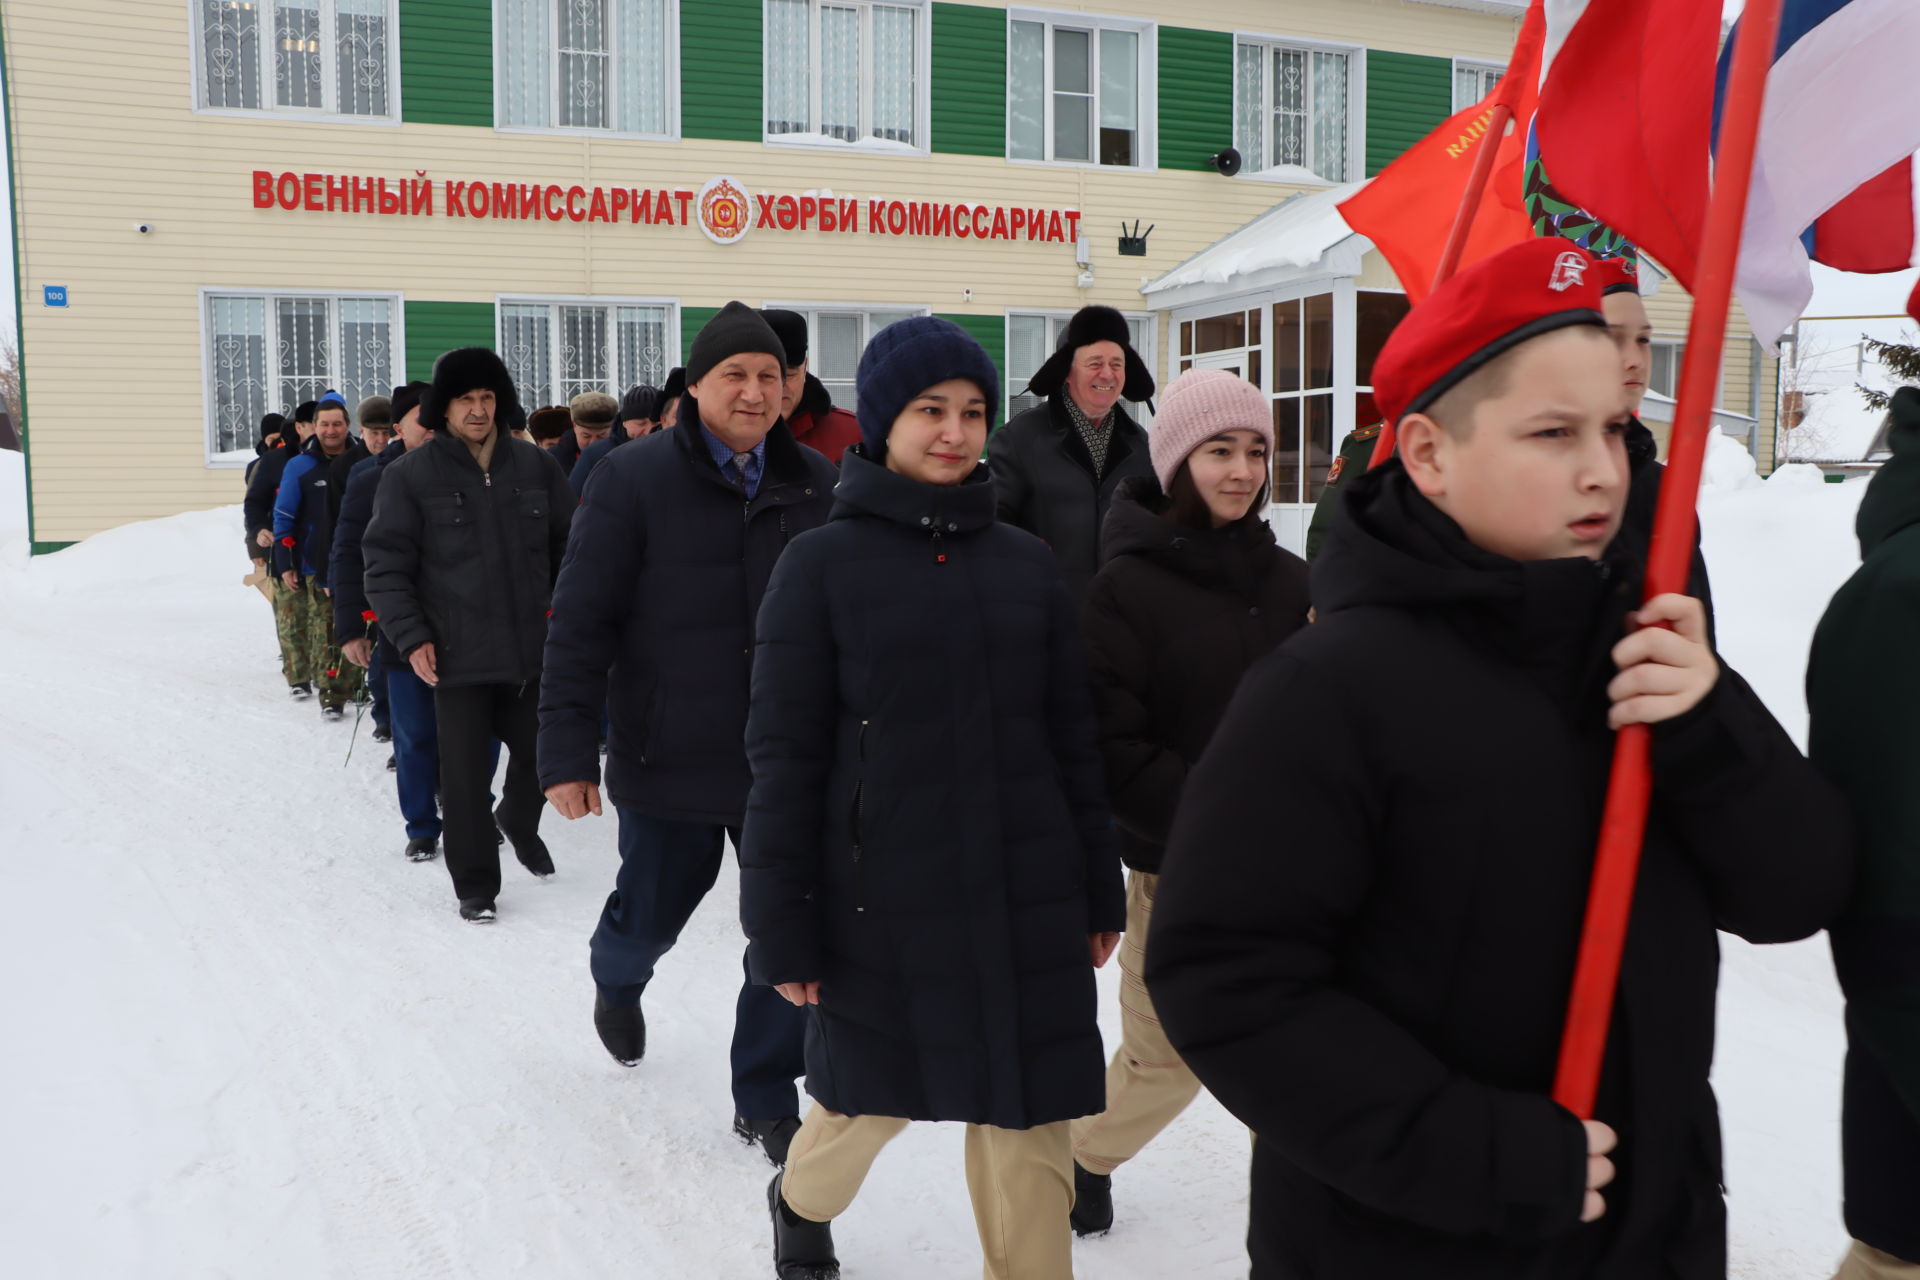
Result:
[{"x": 1297, "y": 232}]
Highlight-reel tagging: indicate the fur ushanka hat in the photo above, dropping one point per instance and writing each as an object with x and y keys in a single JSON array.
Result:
[
  {"x": 1088, "y": 326},
  {"x": 467, "y": 369}
]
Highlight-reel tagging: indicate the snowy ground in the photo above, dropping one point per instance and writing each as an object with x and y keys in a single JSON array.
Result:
[{"x": 247, "y": 1039}]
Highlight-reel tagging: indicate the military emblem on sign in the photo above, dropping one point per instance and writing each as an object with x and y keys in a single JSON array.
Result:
[{"x": 725, "y": 211}]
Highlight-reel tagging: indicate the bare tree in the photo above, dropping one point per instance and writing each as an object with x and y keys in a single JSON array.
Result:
[{"x": 10, "y": 375}]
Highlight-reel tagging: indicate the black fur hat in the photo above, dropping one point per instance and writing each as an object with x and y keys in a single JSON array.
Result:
[
  {"x": 467, "y": 369},
  {"x": 1088, "y": 326}
]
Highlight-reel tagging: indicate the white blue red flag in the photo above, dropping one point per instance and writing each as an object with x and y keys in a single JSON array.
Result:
[{"x": 1628, "y": 98}]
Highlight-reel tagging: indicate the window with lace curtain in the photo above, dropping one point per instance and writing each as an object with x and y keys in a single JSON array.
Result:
[
  {"x": 1078, "y": 89},
  {"x": 1293, "y": 108},
  {"x": 608, "y": 66},
  {"x": 836, "y": 339},
  {"x": 1033, "y": 336},
  {"x": 556, "y": 349},
  {"x": 297, "y": 57},
  {"x": 845, "y": 71},
  {"x": 1473, "y": 81},
  {"x": 266, "y": 353}
]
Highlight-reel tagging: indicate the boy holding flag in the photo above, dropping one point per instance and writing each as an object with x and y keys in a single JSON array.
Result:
[{"x": 1378, "y": 992}]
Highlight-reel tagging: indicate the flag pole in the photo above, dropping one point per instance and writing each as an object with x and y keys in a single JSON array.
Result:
[
  {"x": 1456, "y": 246},
  {"x": 1629, "y": 788}
]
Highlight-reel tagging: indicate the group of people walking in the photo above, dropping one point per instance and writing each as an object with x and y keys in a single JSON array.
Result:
[{"x": 938, "y": 706}]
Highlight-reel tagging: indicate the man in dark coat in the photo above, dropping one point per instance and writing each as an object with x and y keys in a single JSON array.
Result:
[
  {"x": 1057, "y": 464},
  {"x": 303, "y": 516},
  {"x": 466, "y": 536},
  {"x": 1864, "y": 696},
  {"x": 416, "y": 757},
  {"x": 643, "y": 411},
  {"x": 1372, "y": 899},
  {"x": 807, "y": 406},
  {"x": 263, "y": 487},
  {"x": 653, "y": 619}
]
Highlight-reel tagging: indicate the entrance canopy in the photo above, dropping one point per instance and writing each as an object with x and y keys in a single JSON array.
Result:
[{"x": 1303, "y": 238}]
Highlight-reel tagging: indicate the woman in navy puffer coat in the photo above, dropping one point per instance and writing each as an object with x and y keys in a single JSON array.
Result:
[{"x": 927, "y": 859}]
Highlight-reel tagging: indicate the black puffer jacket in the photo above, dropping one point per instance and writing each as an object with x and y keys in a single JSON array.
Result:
[
  {"x": 347, "y": 568},
  {"x": 1172, "y": 622},
  {"x": 928, "y": 834},
  {"x": 466, "y": 558},
  {"x": 1367, "y": 920},
  {"x": 1047, "y": 485},
  {"x": 653, "y": 619}
]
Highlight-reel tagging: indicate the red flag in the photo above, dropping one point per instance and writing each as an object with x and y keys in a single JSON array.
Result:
[
  {"x": 1408, "y": 209},
  {"x": 1625, "y": 124}
]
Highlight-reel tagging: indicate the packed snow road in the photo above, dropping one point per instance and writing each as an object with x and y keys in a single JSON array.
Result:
[{"x": 247, "y": 1038}]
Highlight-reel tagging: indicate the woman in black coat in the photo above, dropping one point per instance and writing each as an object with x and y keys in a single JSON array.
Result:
[
  {"x": 926, "y": 860},
  {"x": 1193, "y": 592}
]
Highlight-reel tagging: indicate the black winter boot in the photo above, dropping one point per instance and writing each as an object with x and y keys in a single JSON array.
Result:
[
  {"x": 1092, "y": 1202},
  {"x": 477, "y": 910},
  {"x": 333, "y": 715},
  {"x": 425, "y": 849},
  {"x": 622, "y": 1030},
  {"x": 300, "y": 692},
  {"x": 773, "y": 1137},
  {"x": 393, "y": 764},
  {"x": 381, "y": 733},
  {"x": 802, "y": 1248}
]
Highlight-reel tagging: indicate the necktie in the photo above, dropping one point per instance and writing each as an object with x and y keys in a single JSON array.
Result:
[{"x": 740, "y": 461}]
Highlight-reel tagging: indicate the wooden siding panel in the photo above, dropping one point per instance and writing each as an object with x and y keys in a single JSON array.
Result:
[
  {"x": 1407, "y": 95},
  {"x": 969, "y": 89},
  {"x": 1196, "y": 97},
  {"x": 720, "y": 69},
  {"x": 446, "y": 62}
]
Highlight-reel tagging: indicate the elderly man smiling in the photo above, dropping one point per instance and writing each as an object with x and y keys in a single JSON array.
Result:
[{"x": 1056, "y": 465}]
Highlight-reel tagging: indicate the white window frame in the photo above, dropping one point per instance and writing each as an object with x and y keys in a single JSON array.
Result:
[
  {"x": 396, "y": 365},
  {"x": 329, "y": 84},
  {"x": 922, "y": 82},
  {"x": 606, "y": 302},
  {"x": 501, "y": 65},
  {"x": 1678, "y": 346},
  {"x": 811, "y": 311},
  {"x": 1253, "y": 167},
  {"x": 1136, "y": 409},
  {"x": 1479, "y": 67},
  {"x": 1148, "y": 87}
]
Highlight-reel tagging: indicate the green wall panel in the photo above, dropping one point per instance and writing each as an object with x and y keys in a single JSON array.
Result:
[
  {"x": 1407, "y": 95},
  {"x": 692, "y": 321},
  {"x": 720, "y": 70},
  {"x": 1196, "y": 97},
  {"x": 436, "y": 327},
  {"x": 969, "y": 89},
  {"x": 446, "y": 62},
  {"x": 991, "y": 333}
]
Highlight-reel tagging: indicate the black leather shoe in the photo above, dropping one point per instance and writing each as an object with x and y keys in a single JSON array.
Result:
[
  {"x": 773, "y": 1137},
  {"x": 1092, "y": 1202},
  {"x": 477, "y": 910},
  {"x": 382, "y": 734},
  {"x": 802, "y": 1248},
  {"x": 622, "y": 1028},
  {"x": 425, "y": 849},
  {"x": 393, "y": 764}
]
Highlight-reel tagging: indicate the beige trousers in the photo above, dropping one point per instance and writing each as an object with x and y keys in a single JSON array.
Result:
[
  {"x": 1021, "y": 1182},
  {"x": 1147, "y": 1084},
  {"x": 1864, "y": 1262}
]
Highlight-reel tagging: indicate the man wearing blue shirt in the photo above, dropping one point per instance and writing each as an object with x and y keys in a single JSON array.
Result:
[
  {"x": 653, "y": 615},
  {"x": 302, "y": 541}
]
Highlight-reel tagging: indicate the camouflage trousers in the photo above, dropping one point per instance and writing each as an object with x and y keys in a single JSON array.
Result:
[{"x": 309, "y": 650}]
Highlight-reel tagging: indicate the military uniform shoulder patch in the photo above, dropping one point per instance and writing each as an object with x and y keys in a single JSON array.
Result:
[
  {"x": 1339, "y": 465},
  {"x": 1368, "y": 433}
]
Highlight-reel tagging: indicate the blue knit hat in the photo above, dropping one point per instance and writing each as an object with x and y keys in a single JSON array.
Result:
[{"x": 905, "y": 359}]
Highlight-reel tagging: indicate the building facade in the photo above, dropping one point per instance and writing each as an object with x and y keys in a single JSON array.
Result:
[{"x": 223, "y": 206}]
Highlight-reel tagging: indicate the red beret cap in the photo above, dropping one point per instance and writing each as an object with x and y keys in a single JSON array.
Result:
[{"x": 1490, "y": 307}]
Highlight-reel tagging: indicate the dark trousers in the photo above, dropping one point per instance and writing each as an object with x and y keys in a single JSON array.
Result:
[
  {"x": 469, "y": 719},
  {"x": 416, "y": 751},
  {"x": 377, "y": 687},
  {"x": 666, "y": 868}
]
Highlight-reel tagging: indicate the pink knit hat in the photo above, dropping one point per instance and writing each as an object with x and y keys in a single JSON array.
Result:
[{"x": 1200, "y": 405}]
